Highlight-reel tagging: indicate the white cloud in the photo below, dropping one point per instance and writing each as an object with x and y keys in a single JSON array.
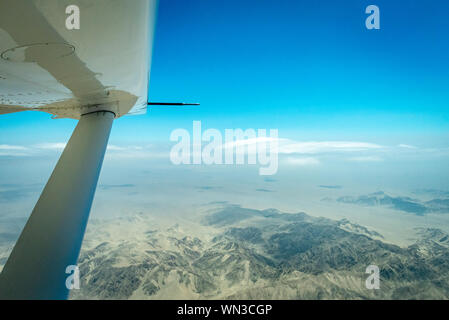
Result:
[
  {"x": 366, "y": 159},
  {"x": 13, "y": 154},
  {"x": 46, "y": 147},
  {"x": 249, "y": 146},
  {"x": 247, "y": 142},
  {"x": 303, "y": 161},
  {"x": 407, "y": 146},
  {"x": 311, "y": 151},
  {"x": 10, "y": 147},
  {"x": 114, "y": 148},
  {"x": 134, "y": 152},
  {"x": 7, "y": 150},
  {"x": 51, "y": 146},
  {"x": 314, "y": 147},
  {"x": 287, "y": 146}
]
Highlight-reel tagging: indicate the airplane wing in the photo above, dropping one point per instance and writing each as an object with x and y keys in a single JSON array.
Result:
[{"x": 67, "y": 72}]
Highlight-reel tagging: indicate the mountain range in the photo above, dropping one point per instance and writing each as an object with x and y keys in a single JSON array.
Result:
[{"x": 232, "y": 252}]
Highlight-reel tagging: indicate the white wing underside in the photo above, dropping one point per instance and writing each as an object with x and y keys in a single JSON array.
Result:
[{"x": 103, "y": 65}]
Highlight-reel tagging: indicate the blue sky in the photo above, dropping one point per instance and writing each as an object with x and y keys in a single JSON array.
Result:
[
  {"x": 309, "y": 68},
  {"x": 303, "y": 65}
]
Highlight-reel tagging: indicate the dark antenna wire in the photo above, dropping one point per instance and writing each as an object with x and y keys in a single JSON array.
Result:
[{"x": 172, "y": 104}]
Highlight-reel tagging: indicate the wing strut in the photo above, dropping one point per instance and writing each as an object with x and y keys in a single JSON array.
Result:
[{"x": 52, "y": 237}]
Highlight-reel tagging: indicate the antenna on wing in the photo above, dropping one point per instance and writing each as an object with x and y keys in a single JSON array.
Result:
[{"x": 172, "y": 104}]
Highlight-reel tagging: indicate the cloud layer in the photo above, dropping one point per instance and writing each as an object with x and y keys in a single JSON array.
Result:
[{"x": 291, "y": 152}]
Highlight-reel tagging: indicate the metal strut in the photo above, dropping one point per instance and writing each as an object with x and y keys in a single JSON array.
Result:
[{"x": 52, "y": 237}]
